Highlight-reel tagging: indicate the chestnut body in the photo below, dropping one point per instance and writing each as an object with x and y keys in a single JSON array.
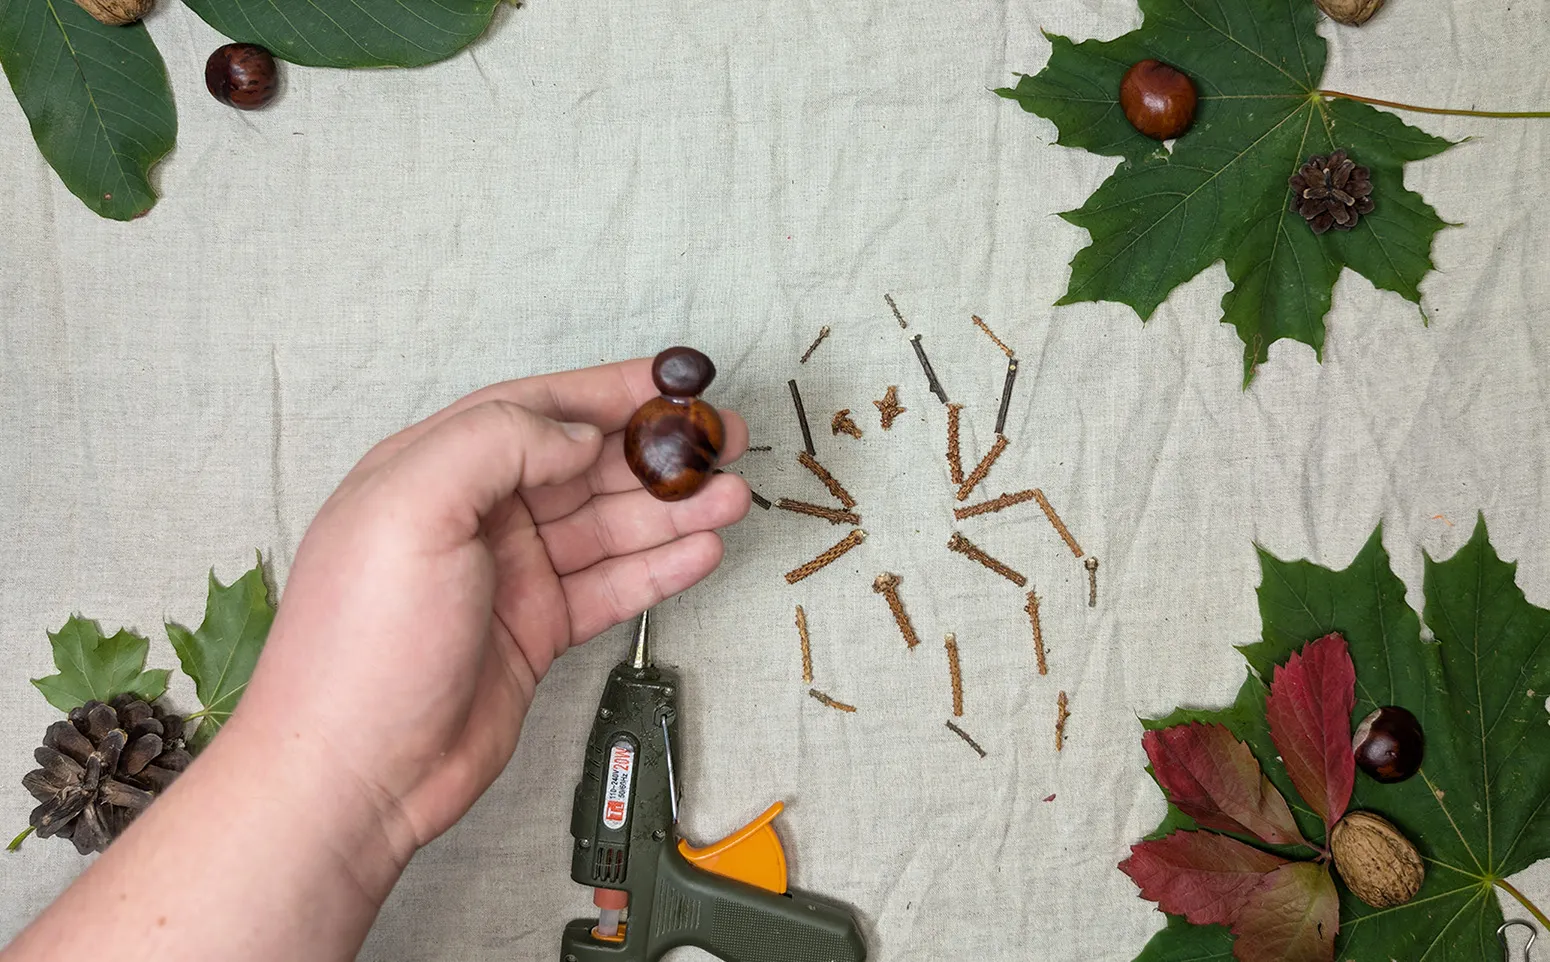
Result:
[
  {"x": 1157, "y": 99},
  {"x": 1389, "y": 744},
  {"x": 242, "y": 75},
  {"x": 671, "y": 445}
]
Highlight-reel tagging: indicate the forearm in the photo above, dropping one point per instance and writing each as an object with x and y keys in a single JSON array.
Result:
[{"x": 251, "y": 855}]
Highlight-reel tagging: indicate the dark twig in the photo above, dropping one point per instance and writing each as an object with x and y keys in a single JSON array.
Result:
[
  {"x": 831, "y": 702},
  {"x": 823, "y": 332},
  {"x": 1006, "y": 395},
  {"x": 965, "y": 736},
  {"x": 807, "y": 434},
  {"x": 895, "y": 308},
  {"x": 1092, "y": 581},
  {"x": 760, "y": 499},
  {"x": 760, "y": 447},
  {"x": 925, "y": 364}
]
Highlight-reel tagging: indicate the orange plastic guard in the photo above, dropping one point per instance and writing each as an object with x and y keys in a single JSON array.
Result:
[{"x": 751, "y": 854}]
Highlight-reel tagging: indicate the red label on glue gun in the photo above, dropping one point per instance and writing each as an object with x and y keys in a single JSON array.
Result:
[{"x": 616, "y": 799}]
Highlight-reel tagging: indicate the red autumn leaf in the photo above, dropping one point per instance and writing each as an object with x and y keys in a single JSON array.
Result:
[
  {"x": 1292, "y": 916},
  {"x": 1202, "y": 876},
  {"x": 1214, "y": 779},
  {"x": 1309, "y": 709}
]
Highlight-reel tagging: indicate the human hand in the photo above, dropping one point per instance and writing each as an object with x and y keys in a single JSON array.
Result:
[{"x": 453, "y": 564}]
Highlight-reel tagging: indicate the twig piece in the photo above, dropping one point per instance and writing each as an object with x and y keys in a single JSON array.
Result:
[
  {"x": 825, "y": 559},
  {"x": 994, "y": 504},
  {"x": 1063, "y": 711},
  {"x": 965, "y": 736},
  {"x": 823, "y": 332},
  {"x": 807, "y": 647},
  {"x": 1054, "y": 519},
  {"x": 760, "y": 447},
  {"x": 967, "y": 548},
  {"x": 954, "y": 457},
  {"x": 821, "y": 473},
  {"x": 889, "y": 407},
  {"x": 1006, "y": 395},
  {"x": 842, "y": 423},
  {"x": 992, "y": 334},
  {"x": 1038, "y": 633},
  {"x": 1092, "y": 581},
  {"x": 925, "y": 364},
  {"x": 895, "y": 308},
  {"x": 760, "y": 499},
  {"x": 818, "y": 511},
  {"x": 887, "y": 585},
  {"x": 983, "y": 468},
  {"x": 807, "y": 434},
  {"x": 831, "y": 702},
  {"x": 955, "y": 675}
]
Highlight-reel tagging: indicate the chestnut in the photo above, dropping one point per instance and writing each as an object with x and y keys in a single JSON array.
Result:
[
  {"x": 1389, "y": 744},
  {"x": 1157, "y": 99},
  {"x": 242, "y": 75},
  {"x": 672, "y": 442}
]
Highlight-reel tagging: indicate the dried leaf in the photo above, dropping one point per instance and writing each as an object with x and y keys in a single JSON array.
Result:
[
  {"x": 1202, "y": 876},
  {"x": 1292, "y": 916},
  {"x": 1213, "y": 778},
  {"x": 1309, "y": 710}
]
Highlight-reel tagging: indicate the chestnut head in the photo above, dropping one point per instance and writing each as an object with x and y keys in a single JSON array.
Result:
[
  {"x": 1389, "y": 744},
  {"x": 1157, "y": 99},
  {"x": 242, "y": 75},
  {"x": 671, "y": 445},
  {"x": 682, "y": 372}
]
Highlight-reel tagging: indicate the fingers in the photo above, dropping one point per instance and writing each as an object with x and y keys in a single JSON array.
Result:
[
  {"x": 605, "y": 396},
  {"x": 616, "y": 525},
  {"x": 618, "y": 589},
  {"x": 611, "y": 475},
  {"x": 473, "y": 460}
]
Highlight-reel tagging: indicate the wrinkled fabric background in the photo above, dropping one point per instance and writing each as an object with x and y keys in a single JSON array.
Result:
[{"x": 590, "y": 183}]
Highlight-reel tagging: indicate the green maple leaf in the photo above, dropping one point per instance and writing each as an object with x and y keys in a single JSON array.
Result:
[
  {"x": 92, "y": 667},
  {"x": 219, "y": 656},
  {"x": 1479, "y": 810},
  {"x": 1221, "y": 194}
]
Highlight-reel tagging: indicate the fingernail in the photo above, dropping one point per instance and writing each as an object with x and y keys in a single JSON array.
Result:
[{"x": 578, "y": 431}]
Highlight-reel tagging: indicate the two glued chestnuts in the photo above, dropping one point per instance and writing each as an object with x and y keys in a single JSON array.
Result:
[
  {"x": 1389, "y": 745},
  {"x": 242, "y": 75},
  {"x": 1157, "y": 99},
  {"x": 672, "y": 442}
]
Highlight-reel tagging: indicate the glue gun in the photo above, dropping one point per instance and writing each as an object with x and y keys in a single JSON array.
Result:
[{"x": 653, "y": 890}]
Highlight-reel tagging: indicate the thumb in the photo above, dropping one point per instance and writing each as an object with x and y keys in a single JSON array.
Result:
[{"x": 473, "y": 460}]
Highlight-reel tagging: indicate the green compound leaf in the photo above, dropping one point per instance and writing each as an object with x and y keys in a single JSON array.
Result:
[
  {"x": 1221, "y": 194},
  {"x": 92, "y": 667},
  {"x": 220, "y": 655},
  {"x": 96, "y": 97},
  {"x": 1479, "y": 810},
  {"x": 356, "y": 33}
]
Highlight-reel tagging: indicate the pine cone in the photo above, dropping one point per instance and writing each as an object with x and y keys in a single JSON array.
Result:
[
  {"x": 102, "y": 767},
  {"x": 1331, "y": 192}
]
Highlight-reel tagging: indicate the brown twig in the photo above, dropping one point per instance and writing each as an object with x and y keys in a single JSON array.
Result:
[
  {"x": 925, "y": 364},
  {"x": 954, "y": 456},
  {"x": 842, "y": 423},
  {"x": 823, "y": 332},
  {"x": 965, "y": 736},
  {"x": 994, "y": 504},
  {"x": 825, "y": 559},
  {"x": 1038, "y": 633},
  {"x": 955, "y": 675},
  {"x": 1006, "y": 395},
  {"x": 968, "y": 549},
  {"x": 822, "y": 474},
  {"x": 1063, "y": 711},
  {"x": 895, "y": 308},
  {"x": 807, "y": 434},
  {"x": 1054, "y": 519},
  {"x": 887, "y": 585},
  {"x": 889, "y": 408},
  {"x": 818, "y": 511},
  {"x": 807, "y": 647},
  {"x": 992, "y": 335},
  {"x": 982, "y": 469},
  {"x": 1092, "y": 581},
  {"x": 831, "y": 702}
]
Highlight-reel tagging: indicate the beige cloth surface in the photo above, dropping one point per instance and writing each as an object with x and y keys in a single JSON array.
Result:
[{"x": 589, "y": 183}]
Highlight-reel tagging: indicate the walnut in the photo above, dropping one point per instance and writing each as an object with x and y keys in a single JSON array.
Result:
[
  {"x": 1377, "y": 862},
  {"x": 116, "y": 13},
  {"x": 1350, "y": 12}
]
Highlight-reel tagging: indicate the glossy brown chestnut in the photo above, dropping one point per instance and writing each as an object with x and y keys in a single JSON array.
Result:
[
  {"x": 671, "y": 445},
  {"x": 682, "y": 372},
  {"x": 1157, "y": 99},
  {"x": 242, "y": 75},
  {"x": 1389, "y": 744}
]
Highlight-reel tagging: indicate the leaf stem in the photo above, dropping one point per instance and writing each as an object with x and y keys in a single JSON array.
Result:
[
  {"x": 16, "y": 842},
  {"x": 1507, "y": 887},
  {"x": 1450, "y": 111}
]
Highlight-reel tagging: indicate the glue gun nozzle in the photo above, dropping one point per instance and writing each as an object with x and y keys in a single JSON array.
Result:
[{"x": 642, "y": 652}]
